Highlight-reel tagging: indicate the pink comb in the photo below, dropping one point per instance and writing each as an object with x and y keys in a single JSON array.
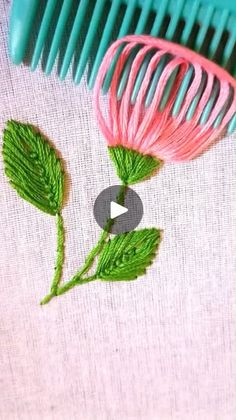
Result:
[{"x": 164, "y": 99}]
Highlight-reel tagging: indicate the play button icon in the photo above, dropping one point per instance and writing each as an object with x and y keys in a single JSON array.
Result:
[
  {"x": 115, "y": 214},
  {"x": 117, "y": 210}
]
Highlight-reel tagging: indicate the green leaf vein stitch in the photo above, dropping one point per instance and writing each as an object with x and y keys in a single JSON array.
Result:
[
  {"x": 32, "y": 167},
  {"x": 126, "y": 256}
]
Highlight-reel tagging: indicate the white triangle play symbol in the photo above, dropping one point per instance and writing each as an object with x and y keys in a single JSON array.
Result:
[{"x": 116, "y": 210}]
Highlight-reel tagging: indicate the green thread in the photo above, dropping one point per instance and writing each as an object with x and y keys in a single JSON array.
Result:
[
  {"x": 93, "y": 253},
  {"x": 35, "y": 172},
  {"x": 126, "y": 256},
  {"x": 32, "y": 167},
  {"x": 132, "y": 166},
  {"x": 47, "y": 299},
  {"x": 59, "y": 261},
  {"x": 103, "y": 237},
  {"x": 75, "y": 281},
  {"x": 60, "y": 255}
]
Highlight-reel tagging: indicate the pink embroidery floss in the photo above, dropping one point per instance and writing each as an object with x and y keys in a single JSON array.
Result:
[{"x": 192, "y": 99}]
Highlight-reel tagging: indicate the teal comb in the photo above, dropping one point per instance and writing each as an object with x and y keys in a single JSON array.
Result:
[{"x": 80, "y": 31}]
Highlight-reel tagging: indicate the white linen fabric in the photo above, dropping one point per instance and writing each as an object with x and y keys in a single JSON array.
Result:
[{"x": 159, "y": 348}]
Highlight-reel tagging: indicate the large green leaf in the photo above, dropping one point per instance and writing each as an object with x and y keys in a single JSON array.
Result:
[
  {"x": 126, "y": 256},
  {"x": 32, "y": 167}
]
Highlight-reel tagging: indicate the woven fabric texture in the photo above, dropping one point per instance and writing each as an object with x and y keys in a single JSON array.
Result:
[{"x": 159, "y": 348}]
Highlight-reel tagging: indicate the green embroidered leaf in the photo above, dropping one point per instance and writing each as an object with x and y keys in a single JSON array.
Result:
[
  {"x": 32, "y": 167},
  {"x": 132, "y": 166},
  {"x": 126, "y": 256}
]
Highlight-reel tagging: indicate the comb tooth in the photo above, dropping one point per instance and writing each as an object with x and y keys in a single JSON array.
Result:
[
  {"x": 204, "y": 27},
  {"x": 97, "y": 12},
  {"x": 168, "y": 88},
  {"x": 139, "y": 30},
  {"x": 73, "y": 38},
  {"x": 162, "y": 7},
  {"x": 195, "y": 101},
  {"x": 220, "y": 118},
  {"x": 174, "y": 20},
  {"x": 105, "y": 39},
  {"x": 43, "y": 31},
  {"x": 125, "y": 74},
  {"x": 146, "y": 7},
  {"x": 21, "y": 22},
  {"x": 209, "y": 106},
  {"x": 127, "y": 18},
  {"x": 218, "y": 33},
  {"x": 229, "y": 46},
  {"x": 123, "y": 31},
  {"x": 182, "y": 92},
  {"x": 140, "y": 76},
  {"x": 153, "y": 85},
  {"x": 190, "y": 23},
  {"x": 64, "y": 14},
  {"x": 232, "y": 125},
  {"x": 223, "y": 111}
]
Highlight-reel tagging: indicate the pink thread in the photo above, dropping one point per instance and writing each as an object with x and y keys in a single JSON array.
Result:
[{"x": 149, "y": 129}]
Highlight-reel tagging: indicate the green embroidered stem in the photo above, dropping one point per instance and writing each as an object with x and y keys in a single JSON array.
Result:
[
  {"x": 93, "y": 253},
  {"x": 59, "y": 260},
  {"x": 47, "y": 298},
  {"x": 77, "y": 279},
  {"x": 60, "y": 254},
  {"x": 103, "y": 237}
]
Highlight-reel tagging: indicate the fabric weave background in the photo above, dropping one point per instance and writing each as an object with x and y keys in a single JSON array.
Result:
[{"x": 159, "y": 348}]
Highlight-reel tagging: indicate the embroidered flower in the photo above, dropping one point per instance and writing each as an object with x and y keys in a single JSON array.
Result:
[{"x": 164, "y": 101}]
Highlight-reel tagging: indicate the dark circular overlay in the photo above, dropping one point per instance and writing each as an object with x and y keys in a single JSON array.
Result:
[{"x": 125, "y": 222}]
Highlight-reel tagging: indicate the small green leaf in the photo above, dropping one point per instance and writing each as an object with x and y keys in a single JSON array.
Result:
[
  {"x": 132, "y": 166},
  {"x": 32, "y": 167},
  {"x": 126, "y": 256}
]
